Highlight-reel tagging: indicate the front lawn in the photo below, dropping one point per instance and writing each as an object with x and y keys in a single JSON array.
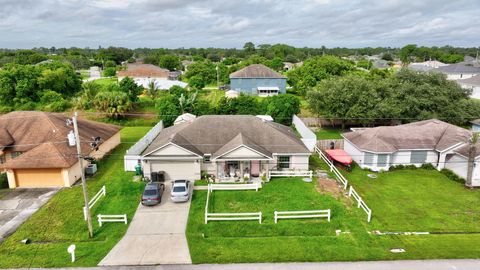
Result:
[
  {"x": 315, "y": 240},
  {"x": 60, "y": 222},
  {"x": 418, "y": 200}
]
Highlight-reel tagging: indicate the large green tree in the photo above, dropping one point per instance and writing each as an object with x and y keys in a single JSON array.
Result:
[{"x": 170, "y": 62}]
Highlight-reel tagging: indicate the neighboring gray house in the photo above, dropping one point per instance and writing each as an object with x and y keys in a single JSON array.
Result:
[
  {"x": 259, "y": 80},
  {"x": 229, "y": 147},
  {"x": 459, "y": 71},
  {"x": 473, "y": 84}
]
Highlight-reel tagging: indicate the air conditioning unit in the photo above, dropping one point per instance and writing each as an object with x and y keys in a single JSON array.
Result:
[{"x": 91, "y": 169}]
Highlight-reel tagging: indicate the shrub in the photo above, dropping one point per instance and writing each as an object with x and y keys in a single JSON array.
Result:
[
  {"x": 428, "y": 166},
  {"x": 53, "y": 102},
  {"x": 452, "y": 176},
  {"x": 3, "y": 180},
  {"x": 109, "y": 72}
]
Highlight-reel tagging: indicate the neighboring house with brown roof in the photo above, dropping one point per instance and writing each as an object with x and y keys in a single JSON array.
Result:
[
  {"x": 475, "y": 125},
  {"x": 34, "y": 149},
  {"x": 258, "y": 79},
  {"x": 144, "y": 74},
  {"x": 229, "y": 147}
]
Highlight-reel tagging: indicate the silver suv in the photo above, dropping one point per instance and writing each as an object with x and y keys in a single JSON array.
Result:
[{"x": 180, "y": 190}]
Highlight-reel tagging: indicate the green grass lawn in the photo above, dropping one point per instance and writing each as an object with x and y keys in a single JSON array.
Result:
[
  {"x": 213, "y": 96},
  {"x": 418, "y": 200},
  {"x": 60, "y": 222},
  {"x": 315, "y": 240},
  {"x": 106, "y": 81},
  {"x": 327, "y": 133}
]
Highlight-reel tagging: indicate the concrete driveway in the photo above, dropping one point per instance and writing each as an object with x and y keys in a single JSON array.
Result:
[
  {"x": 156, "y": 236},
  {"x": 17, "y": 205}
]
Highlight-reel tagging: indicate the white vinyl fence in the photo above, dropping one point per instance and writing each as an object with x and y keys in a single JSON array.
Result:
[
  {"x": 253, "y": 186},
  {"x": 111, "y": 218},
  {"x": 231, "y": 216},
  {"x": 309, "y": 138},
  {"x": 360, "y": 203},
  {"x": 94, "y": 200},
  {"x": 132, "y": 156},
  {"x": 340, "y": 178},
  {"x": 302, "y": 214},
  {"x": 308, "y": 174}
]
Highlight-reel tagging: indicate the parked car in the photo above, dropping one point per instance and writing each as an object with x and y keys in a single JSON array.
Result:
[
  {"x": 180, "y": 190},
  {"x": 152, "y": 194}
]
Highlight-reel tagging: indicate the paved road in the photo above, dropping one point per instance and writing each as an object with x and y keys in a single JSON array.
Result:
[
  {"x": 380, "y": 265},
  {"x": 17, "y": 205},
  {"x": 156, "y": 236},
  {"x": 94, "y": 74}
]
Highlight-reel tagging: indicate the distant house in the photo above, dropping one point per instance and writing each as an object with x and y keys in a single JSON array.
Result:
[
  {"x": 472, "y": 83},
  {"x": 144, "y": 74},
  {"x": 35, "y": 151},
  {"x": 259, "y": 80},
  {"x": 229, "y": 147},
  {"x": 475, "y": 125},
  {"x": 459, "y": 71},
  {"x": 427, "y": 65},
  {"x": 185, "y": 64}
]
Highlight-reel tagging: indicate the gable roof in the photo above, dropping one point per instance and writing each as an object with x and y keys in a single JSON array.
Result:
[
  {"x": 42, "y": 138},
  {"x": 474, "y": 81},
  {"x": 143, "y": 70},
  {"x": 459, "y": 68},
  {"x": 217, "y": 134},
  {"x": 428, "y": 134},
  {"x": 256, "y": 71}
]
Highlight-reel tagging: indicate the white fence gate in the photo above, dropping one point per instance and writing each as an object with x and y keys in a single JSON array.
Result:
[
  {"x": 111, "y": 218},
  {"x": 302, "y": 214},
  {"x": 94, "y": 200}
]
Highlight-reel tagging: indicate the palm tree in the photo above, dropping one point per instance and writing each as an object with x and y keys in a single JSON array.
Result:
[
  {"x": 152, "y": 89},
  {"x": 186, "y": 101},
  {"x": 471, "y": 157}
]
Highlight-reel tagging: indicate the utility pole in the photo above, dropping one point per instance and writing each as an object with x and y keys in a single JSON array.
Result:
[{"x": 84, "y": 182}]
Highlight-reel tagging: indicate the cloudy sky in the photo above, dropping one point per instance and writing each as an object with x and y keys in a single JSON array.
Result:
[{"x": 228, "y": 23}]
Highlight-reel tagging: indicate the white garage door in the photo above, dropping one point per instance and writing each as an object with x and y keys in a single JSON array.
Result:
[{"x": 177, "y": 169}]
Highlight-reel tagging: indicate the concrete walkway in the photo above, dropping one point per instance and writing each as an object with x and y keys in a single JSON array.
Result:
[
  {"x": 378, "y": 265},
  {"x": 17, "y": 205},
  {"x": 156, "y": 236}
]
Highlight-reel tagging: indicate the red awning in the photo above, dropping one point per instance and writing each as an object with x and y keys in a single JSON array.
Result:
[{"x": 340, "y": 156}]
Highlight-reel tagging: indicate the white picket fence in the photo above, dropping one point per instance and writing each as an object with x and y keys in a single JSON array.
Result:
[
  {"x": 252, "y": 186},
  {"x": 234, "y": 216},
  {"x": 340, "y": 178},
  {"x": 231, "y": 216},
  {"x": 94, "y": 200},
  {"x": 360, "y": 203},
  {"x": 111, "y": 218},
  {"x": 302, "y": 214},
  {"x": 290, "y": 174}
]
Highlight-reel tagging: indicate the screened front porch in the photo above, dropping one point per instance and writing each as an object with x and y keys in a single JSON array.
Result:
[{"x": 241, "y": 170}]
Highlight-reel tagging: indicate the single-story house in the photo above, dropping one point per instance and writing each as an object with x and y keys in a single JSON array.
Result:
[
  {"x": 430, "y": 141},
  {"x": 144, "y": 74},
  {"x": 473, "y": 84},
  {"x": 459, "y": 71},
  {"x": 258, "y": 79},
  {"x": 35, "y": 152},
  {"x": 227, "y": 147}
]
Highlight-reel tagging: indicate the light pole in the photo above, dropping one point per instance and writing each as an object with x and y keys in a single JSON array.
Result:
[{"x": 82, "y": 173}]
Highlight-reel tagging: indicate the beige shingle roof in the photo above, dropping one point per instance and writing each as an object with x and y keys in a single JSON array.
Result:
[
  {"x": 209, "y": 133},
  {"x": 428, "y": 134},
  {"x": 42, "y": 138},
  {"x": 256, "y": 71},
  {"x": 143, "y": 70}
]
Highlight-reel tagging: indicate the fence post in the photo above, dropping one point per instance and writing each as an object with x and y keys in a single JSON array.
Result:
[
  {"x": 99, "y": 220},
  {"x": 369, "y": 216},
  {"x": 125, "y": 217},
  {"x": 350, "y": 191},
  {"x": 311, "y": 174},
  {"x": 84, "y": 213},
  {"x": 104, "y": 191},
  {"x": 256, "y": 187},
  {"x": 260, "y": 218},
  {"x": 328, "y": 215},
  {"x": 275, "y": 216},
  {"x": 359, "y": 202}
]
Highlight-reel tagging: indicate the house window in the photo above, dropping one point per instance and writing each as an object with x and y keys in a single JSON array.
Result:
[
  {"x": 206, "y": 158},
  {"x": 368, "y": 159},
  {"x": 15, "y": 154},
  {"x": 2, "y": 159},
  {"x": 418, "y": 157},
  {"x": 382, "y": 160},
  {"x": 284, "y": 162}
]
